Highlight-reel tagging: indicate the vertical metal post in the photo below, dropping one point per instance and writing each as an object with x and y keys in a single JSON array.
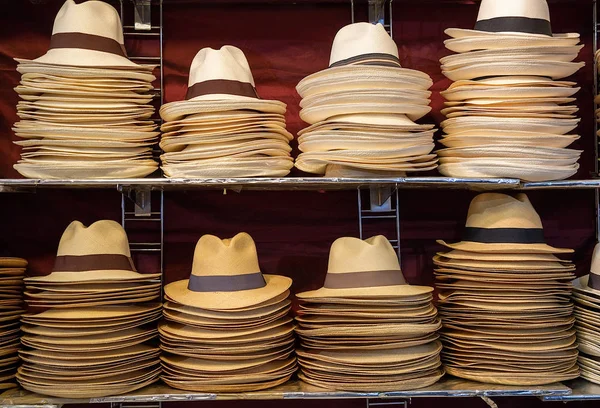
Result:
[
  {"x": 595, "y": 67},
  {"x": 376, "y": 13}
]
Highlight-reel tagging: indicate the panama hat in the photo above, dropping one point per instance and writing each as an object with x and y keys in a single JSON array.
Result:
[
  {"x": 590, "y": 284},
  {"x": 366, "y": 268},
  {"x": 95, "y": 253},
  {"x": 499, "y": 223},
  {"x": 522, "y": 19},
  {"x": 552, "y": 69},
  {"x": 226, "y": 275},
  {"x": 558, "y": 141},
  {"x": 557, "y": 53},
  {"x": 514, "y": 92},
  {"x": 220, "y": 80},
  {"x": 87, "y": 34},
  {"x": 363, "y": 48},
  {"x": 502, "y": 168}
]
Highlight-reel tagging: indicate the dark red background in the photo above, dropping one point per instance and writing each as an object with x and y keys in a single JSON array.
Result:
[{"x": 283, "y": 42}]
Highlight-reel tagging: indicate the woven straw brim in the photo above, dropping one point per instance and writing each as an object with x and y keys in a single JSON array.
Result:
[
  {"x": 512, "y": 378},
  {"x": 95, "y": 276},
  {"x": 372, "y": 292},
  {"x": 180, "y": 109}
]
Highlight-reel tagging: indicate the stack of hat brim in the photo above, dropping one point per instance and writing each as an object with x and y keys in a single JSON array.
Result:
[
  {"x": 587, "y": 314},
  {"x": 247, "y": 347},
  {"x": 507, "y": 314},
  {"x": 85, "y": 122},
  {"x": 361, "y": 121},
  {"x": 93, "y": 338},
  {"x": 225, "y": 139},
  {"x": 12, "y": 271},
  {"x": 90, "y": 352},
  {"x": 369, "y": 343},
  {"x": 509, "y": 114}
]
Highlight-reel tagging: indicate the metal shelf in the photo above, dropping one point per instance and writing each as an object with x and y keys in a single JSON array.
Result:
[
  {"x": 447, "y": 387},
  {"x": 581, "y": 390}
]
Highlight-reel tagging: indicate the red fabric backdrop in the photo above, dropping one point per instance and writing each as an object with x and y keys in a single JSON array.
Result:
[{"x": 283, "y": 42}]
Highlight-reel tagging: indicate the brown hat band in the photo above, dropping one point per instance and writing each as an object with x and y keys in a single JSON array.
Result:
[
  {"x": 98, "y": 262},
  {"x": 378, "y": 59},
  {"x": 226, "y": 283},
  {"x": 594, "y": 281},
  {"x": 515, "y": 24},
  {"x": 87, "y": 42},
  {"x": 366, "y": 279},
  {"x": 504, "y": 235},
  {"x": 221, "y": 86}
]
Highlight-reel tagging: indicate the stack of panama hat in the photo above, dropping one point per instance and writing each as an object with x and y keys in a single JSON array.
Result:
[
  {"x": 505, "y": 298},
  {"x": 12, "y": 271},
  {"x": 586, "y": 295},
  {"x": 227, "y": 328},
  {"x": 361, "y": 110},
  {"x": 86, "y": 108},
  {"x": 366, "y": 329},
  {"x": 94, "y": 335},
  {"x": 223, "y": 128},
  {"x": 510, "y": 113}
]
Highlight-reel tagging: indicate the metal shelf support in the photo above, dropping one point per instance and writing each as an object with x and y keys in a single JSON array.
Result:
[
  {"x": 383, "y": 204},
  {"x": 377, "y": 13}
]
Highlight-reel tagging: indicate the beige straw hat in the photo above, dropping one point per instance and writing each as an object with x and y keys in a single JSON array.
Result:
[
  {"x": 364, "y": 268},
  {"x": 499, "y": 223},
  {"x": 590, "y": 284},
  {"x": 220, "y": 80},
  {"x": 99, "y": 252},
  {"x": 87, "y": 34},
  {"x": 518, "y": 18},
  {"x": 226, "y": 275}
]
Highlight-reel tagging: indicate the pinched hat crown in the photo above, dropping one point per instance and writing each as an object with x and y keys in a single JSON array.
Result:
[
  {"x": 525, "y": 16},
  {"x": 87, "y": 34},
  {"x": 363, "y": 44},
  {"x": 357, "y": 263},
  {"x": 501, "y": 218},
  {"x": 220, "y": 74},
  {"x": 103, "y": 246},
  {"x": 225, "y": 264}
]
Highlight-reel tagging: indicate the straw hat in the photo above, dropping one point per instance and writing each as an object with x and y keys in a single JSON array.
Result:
[
  {"x": 87, "y": 34},
  {"x": 220, "y": 80},
  {"x": 362, "y": 49},
  {"x": 499, "y": 223},
  {"x": 226, "y": 275},
  {"x": 525, "y": 19},
  {"x": 590, "y": 283},
  {"x": 95, "y": 253},
  {"x": 364, "y": 268}
]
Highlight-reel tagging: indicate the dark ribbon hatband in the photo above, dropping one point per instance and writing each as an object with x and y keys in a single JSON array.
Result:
[
  {"x": 594, "y": 281},
  {"x": 378, "y": 59},
  {"x": 364, "y": 279},
  {"x": 82, "y": 263},
  {"x": 226, "y": 283},
  {"x": 504, "y": 235},
  {"x": 87, "y": 42},
  {"x": 515, "y": 24},
  {"x": 221, "y": 86}
]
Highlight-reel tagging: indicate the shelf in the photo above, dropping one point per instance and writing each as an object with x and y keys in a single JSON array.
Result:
[
  {"x": 582, "y": 390},
  {"x": 447, "y": 387},
  {"x": 259, "y": 183}
]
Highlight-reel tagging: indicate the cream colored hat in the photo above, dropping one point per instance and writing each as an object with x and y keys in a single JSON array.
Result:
[
  {"x": 87, "y": 34},
  {"x": 590, "y": 284},
  {"x": 364, "y": 268},
  {"x": 219, "y": 80},
  {"x": 95, "y": 253},
  {"x": 527, "y": 18},
  {"x": 363, "y": 49},
  {"x": 226, "y": 275},
  {"x": 499, "y": 223}
]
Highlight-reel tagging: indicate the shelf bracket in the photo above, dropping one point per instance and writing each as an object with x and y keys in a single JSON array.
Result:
[
  {"x": 396, "y": 403},
  {"x": 142, "y": 16},
  {"x": 376, "y": 13},
  {"x": 384, "y": 204},
  {"x": 489, "y": 401},
  {"x": 141, "y": 197}
]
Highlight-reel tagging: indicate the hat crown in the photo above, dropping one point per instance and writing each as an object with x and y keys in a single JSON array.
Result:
[
  {"x": 225, "y": 257},
  {"x": 361, "y": 39},
  {"x": 93, "y": 17},
  {"x": 595, "y": 269},
  {"x": 494, "y": 210},
  {"x": 350, "y": 254},
  {"x": 101, "y": 238},
  {"x": 228, "y": 63},
  {"x": 513, "y": 8}
]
